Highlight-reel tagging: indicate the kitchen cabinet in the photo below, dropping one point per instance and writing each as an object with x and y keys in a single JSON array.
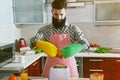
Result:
[
  {"x": 28, "y": 11},
  {"x": 34, "y": 69},
  {"x": 114, "y": 68},
  {"x": 92, "y": 65},
  {"x": 107, "y": 12},
  {"x": 75, "y": 11},
  {"x": 110, "y": 67}
]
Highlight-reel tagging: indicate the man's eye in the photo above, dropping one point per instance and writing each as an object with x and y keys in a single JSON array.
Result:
[
  {"x": 61, "y": 14},
  {"x": 56, "y": 14}
]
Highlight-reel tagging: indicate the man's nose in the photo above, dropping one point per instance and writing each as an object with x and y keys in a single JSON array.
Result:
[{"x": 59, "y": 17}]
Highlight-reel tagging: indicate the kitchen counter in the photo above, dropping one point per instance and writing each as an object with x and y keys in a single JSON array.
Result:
[
  {"x": 93, "y": 54},
  {"x": 30, "y": 58},
  {"x": 16, "y": 66},
  {"x": 42, "y": 78}
]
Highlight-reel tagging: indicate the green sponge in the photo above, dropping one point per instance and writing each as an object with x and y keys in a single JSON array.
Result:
[{"x": 71, "y": 50}]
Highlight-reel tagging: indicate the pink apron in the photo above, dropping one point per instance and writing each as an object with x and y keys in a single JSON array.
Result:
[{"x": 60, "y": 40}]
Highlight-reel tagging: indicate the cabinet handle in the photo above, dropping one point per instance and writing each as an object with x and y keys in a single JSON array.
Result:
[
  {"x": 99, "y": 70},
  {"x": 25, "y": 70},
  {"x": 117, "y": 60},
  {"x": 35, "y": 63},
  {"x": 95, "y": 60}
]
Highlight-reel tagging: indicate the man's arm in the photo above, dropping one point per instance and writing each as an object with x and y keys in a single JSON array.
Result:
[
  {"x": 38, "y": 36},
  {"x": 80, "y": 38}
]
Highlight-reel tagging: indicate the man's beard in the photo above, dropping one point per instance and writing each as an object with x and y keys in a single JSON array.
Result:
[{"x": 57, "y": 23}]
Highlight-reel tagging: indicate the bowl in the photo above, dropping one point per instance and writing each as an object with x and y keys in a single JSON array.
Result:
[{"x": 92, "y": 49}]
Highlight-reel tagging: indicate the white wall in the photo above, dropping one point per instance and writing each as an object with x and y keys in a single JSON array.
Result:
[
  {"x": 8, "y": 31},
  {"x": 29, "y": 31},
  {"x": 6, "y": 11},
  {"x": 106, "y": 36}
]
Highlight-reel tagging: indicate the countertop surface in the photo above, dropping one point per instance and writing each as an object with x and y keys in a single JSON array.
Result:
[
  {"x": 42, "y": 78},
  {"x": 30, "y": 58},
  {"x": 17, "y": 66},
  {"x": 93, "y": 54}
]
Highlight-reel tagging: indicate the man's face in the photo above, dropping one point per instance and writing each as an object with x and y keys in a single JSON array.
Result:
[{"x": 59, "y": 14}]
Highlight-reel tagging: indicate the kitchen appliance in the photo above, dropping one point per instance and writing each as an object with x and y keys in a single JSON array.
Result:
[
  {"x": 6, "y": 53},
  {"x": 21, "y": 43},
  {"x": 59, "y": 73},
  {"x": 79, "y": 62}
]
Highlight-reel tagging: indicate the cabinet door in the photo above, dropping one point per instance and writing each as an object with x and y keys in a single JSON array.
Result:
[
  {"x": 79, "y": 62},
  {"x": 92, "y": 65},
  {"x": 107, "y": 12},
  {"x": 35, "y": 68},
  {"x": 28, "y": 11},
  {"x": 114, "y": 69}
]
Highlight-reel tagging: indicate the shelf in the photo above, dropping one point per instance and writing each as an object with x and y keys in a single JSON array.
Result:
[
  {"x": 74, "y": 1},
  {"x": 84, "y": 0},
  {"x": 107, "y": 23},
  {"x": 81, "y": 4},
  {"x": 103, "y": 2}
]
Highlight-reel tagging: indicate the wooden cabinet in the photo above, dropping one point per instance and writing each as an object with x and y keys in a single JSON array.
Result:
[
  {"x": 114, "y": 68},
  {"x": 34, "y": 69},
  {"x": 92, "y": 65},
  {"x": 110, "y": 67}
]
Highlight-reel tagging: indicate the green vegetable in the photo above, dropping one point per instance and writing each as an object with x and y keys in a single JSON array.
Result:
[
  {"x": 102, "y": 50},
  {"x": 37, "y": 50}
]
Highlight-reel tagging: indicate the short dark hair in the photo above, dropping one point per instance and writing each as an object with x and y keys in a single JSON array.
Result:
[{"x": 59, "y": 4}]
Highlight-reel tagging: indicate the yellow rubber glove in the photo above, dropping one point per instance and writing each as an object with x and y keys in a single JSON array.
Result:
[{"x": 47, "y": 47}]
